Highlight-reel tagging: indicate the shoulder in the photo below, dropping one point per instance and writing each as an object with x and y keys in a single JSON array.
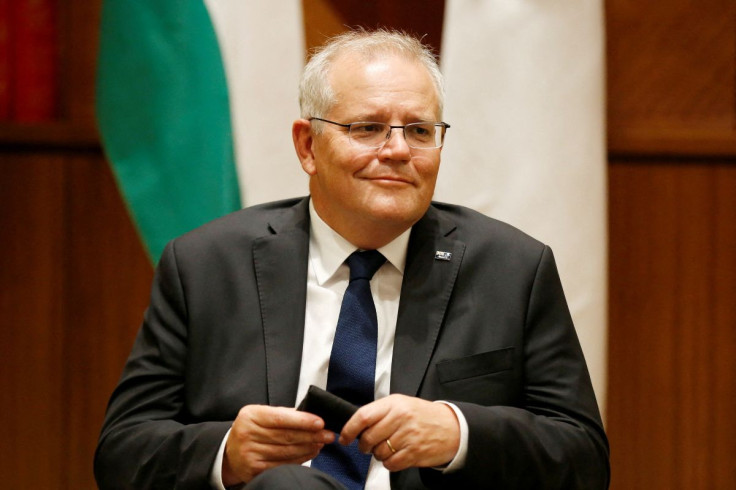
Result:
[
  {"x": 473, "y": 227},
  {"x": 244, "y": 226},
  {"x": 492, "y": 248}
]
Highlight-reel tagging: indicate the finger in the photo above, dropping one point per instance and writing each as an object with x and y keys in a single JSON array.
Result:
[
  {"x": 279, "y": 425},
  {"x": 260, "y": 465},
  {"x": 389, "y": 415},
  {"x": 383, "y": 450},
  {"x": 394, "y": 460},
  {"x": 396, "y": 454},
  {"x": 398, "y": 462},
  {"x": 291, "y": 437},
  {"x": 430, "y": 438},
  {"x": 374, "y": 437},
  {"x": 248, "y": 460},
  {"x": 283, "y": 454},
  {"x": 362, "y": 419},
  {"x": 246, "y": 434},
  {"x": 282, "y": 418}
]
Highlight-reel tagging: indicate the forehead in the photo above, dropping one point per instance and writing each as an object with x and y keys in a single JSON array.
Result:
[{"x": 386, "y": 83}]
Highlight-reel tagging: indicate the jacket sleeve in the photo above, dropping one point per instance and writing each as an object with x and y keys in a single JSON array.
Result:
[
  {"x": 555, "y": 438},
  {"x": 147, "y": 439}
]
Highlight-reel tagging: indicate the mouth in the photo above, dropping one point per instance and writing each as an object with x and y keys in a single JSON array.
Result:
[{"x": 390, "y": 180}]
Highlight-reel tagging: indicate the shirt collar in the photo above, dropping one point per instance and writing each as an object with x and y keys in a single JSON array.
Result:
[{"x": 328, "y": 249}]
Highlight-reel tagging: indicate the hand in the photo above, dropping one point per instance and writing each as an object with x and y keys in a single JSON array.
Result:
[
  {"x": 263, "y": 437},
  {"x": 422, "y": 433}
]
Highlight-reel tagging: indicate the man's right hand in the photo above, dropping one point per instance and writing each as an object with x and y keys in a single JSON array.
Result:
[{"x": 263, "y": 437}]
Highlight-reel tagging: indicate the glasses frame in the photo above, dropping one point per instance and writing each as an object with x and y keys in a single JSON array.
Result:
[{"x": 349, "y": 126}]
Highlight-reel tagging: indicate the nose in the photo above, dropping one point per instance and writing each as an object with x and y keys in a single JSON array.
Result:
[{"x": 395, "y": 147}]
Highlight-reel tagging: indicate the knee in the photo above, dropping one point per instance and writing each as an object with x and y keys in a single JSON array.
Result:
[{"x": 290, "y": 476}]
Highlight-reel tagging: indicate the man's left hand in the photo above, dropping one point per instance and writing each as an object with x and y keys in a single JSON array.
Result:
[{"x": 420, "y": 433}]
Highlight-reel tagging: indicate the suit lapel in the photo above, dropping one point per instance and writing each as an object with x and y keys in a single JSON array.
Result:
[
  {"x": 425, "y": 294},
  {"x": 281, "y": 273}
]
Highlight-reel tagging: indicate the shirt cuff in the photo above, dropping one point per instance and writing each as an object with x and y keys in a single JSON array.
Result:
[
  {"x": 216, "y": 471},
  {"x": 458, "y": 462}
]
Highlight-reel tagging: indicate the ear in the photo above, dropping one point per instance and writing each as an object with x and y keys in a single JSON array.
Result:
[{"x": 301, "y": 132}]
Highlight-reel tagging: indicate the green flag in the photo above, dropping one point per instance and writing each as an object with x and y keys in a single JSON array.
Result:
[{"x": 164, "y": 117}]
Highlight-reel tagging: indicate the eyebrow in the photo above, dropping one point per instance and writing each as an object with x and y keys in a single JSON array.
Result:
[
  {"x": 375, "y": 117},
  {"x": 380, "y": 115},
  {"x": 367, "y": 117}
]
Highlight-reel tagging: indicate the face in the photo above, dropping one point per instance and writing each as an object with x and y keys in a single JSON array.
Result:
[{"x": 362, "y": 191}]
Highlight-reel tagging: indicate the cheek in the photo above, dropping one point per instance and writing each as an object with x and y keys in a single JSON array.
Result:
[
  {"x": 342, "y": 160},
  {"x": 338, "y": 174},
  {"x": 427, "y": 168}
]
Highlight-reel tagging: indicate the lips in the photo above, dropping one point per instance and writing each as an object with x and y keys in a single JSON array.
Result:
[{"x": 391, "y": 178}]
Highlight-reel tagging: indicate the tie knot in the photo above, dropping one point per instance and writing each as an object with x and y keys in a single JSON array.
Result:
[{"x": 364, "y": 264}]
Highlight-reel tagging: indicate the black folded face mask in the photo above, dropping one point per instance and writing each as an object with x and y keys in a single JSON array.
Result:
[{"x": 334, "y": 410}]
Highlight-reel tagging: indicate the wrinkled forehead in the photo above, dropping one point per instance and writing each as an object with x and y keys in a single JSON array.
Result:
[{"x": 351, "y": 70}]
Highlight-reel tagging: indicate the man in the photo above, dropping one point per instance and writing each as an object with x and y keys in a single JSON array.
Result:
[{"x": 475, "y": 368}]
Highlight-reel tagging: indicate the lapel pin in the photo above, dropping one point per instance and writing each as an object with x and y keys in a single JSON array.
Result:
[{"x": 440, "y": 255}]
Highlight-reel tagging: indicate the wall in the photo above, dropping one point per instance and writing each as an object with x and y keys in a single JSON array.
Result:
[
  {"x": 672, "y": 205},
  {"x": 74, "y": 279}
]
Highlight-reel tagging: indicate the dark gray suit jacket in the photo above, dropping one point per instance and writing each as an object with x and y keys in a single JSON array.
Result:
[{"x": 489, "y": 330}]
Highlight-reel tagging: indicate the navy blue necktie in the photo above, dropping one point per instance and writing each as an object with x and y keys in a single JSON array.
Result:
[{"x": 352, "y": 371}]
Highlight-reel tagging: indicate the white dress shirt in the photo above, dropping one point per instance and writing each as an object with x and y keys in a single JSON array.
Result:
[{"x": 327, "y": 279}]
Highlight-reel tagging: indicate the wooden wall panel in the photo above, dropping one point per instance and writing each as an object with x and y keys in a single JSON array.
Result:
[
  {"x": 108, "y": 278},
  {"x": 672, "y": 76},
  {"x": 723, "y": 453},
  {"x": 75, "y": 282},
  {"x": 673, "y": 283},
  {"x": 31, "y": 321},
  {"x": 672, "y": 204}
]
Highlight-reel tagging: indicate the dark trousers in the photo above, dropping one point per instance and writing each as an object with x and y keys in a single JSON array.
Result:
[{"x": 291, "y": 476}]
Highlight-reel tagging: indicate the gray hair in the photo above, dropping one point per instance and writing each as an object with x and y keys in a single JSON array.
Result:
[{"x": 316, "y": 96}]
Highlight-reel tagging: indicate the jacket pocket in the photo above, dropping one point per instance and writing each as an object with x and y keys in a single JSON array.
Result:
[{"x": 476, "y": 365}]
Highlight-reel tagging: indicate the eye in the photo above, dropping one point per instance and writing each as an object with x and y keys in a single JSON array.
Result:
[
  {"x": 366, "y": 129},
  {"x": 420, "y": 131}
]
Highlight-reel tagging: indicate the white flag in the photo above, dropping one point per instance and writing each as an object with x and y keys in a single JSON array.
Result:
[
  {"x": 262, "y": 45},
  {"x": 525, "y": 98}
]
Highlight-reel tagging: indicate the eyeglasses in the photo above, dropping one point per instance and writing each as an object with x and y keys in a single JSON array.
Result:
[{"x": 422, "y": 135}]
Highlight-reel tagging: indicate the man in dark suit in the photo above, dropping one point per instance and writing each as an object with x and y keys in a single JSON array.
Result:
[{"x": 479, "y": 377}]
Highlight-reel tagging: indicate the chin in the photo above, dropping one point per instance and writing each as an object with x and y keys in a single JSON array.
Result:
[{"x": 397, "y": 212}]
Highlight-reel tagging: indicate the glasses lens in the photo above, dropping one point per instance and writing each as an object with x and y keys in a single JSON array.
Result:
[
  {"x": 418, "y": 135},
  {"x": 424, "y": 135},
  {"x": 369, "y": 133}
]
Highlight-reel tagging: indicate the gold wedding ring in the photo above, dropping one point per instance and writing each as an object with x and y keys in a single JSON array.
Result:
[{"x": 388, "y": 443}]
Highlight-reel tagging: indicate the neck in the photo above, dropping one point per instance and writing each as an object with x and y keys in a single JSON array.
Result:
[{"x": 365, "y": 234}]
